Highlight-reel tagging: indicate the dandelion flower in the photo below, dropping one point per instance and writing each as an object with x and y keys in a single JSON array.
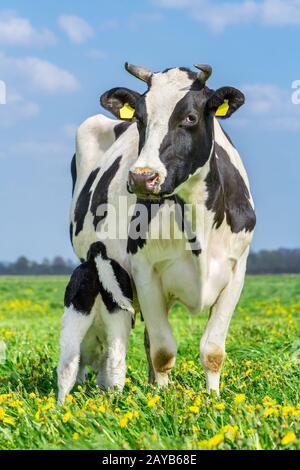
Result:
[
  {"x": 288, "y": 438},
  {"x": 239, "y": 398}
]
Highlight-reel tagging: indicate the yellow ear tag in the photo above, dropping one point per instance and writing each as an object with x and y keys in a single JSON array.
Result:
[
  {"x": 127, "y": 112},
  {"x": 222, "y": 109}
]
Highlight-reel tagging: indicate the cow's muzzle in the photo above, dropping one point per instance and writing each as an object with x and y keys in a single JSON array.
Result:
[{"x": 144, "y": 181}]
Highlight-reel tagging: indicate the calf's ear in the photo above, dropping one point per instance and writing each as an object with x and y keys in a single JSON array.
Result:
[
  {"x": 120, "y": 102},
  {"x": 225, "y": 101}
]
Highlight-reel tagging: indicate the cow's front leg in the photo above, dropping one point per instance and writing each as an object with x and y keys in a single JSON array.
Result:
[
  {"x": 163, "y": 348},
  {"x": 212, "y": 344},
  {"x": 117, "y": 327}
]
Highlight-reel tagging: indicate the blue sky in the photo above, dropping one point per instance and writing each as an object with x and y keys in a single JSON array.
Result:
[{"x": 56, "y": 61}]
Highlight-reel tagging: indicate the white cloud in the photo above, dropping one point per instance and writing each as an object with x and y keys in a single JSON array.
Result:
[
  {"x": 267, "y": 107},
  {"x": 96, "y": 54},
  {"x": 76, "y": 28},
  {"x": 17, "y": 109},
  {"x": 220, "y": 15},
  {"x": 40, "y": 74},
  {"x": 16, "y": 30}
]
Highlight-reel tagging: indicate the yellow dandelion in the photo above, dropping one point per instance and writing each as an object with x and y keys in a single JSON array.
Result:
[
  {"x": 101, "y": 408},
  {"x": 288, "y": 438},
  {"x": 270, "y": 412},
  {"x": 129, "y": 400},
  {"x": 219, "y": 406},
  {"x": 239, "y": 398},
  {"x": 286, "y": 410},
  {"x": 152, "y": 402},
  {"x": 134, "y": 388},
  {"x": 194, "y": 409},
  {"x": 212, "y": 442},
  {"x": 66, "y": 417},
  {"x": 75, "y": 436},
  {"x": 123, "y": 422}
]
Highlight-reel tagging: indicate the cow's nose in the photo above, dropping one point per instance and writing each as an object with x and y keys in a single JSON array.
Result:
[{"x": 143, "y": 181}]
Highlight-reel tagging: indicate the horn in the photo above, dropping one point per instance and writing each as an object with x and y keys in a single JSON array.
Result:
[
  {"x": 205, "y": 73},
  {"x": 139, "y": 72}
]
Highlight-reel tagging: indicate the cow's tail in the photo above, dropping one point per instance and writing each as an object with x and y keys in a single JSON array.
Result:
[{"x": 114, "y": 281}]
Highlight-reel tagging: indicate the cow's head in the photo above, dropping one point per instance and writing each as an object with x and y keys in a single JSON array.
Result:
[{"x": 175, "y": 122}]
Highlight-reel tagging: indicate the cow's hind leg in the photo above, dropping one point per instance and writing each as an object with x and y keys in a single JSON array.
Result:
[
  {"x": 212, "y": 345},
  {"x": 80, "y": 296}
]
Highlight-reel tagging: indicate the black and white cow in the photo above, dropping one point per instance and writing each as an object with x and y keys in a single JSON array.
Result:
[{"x": 171, "y": 154}]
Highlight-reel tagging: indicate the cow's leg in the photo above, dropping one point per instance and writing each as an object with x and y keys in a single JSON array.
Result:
[
  {"x": 163, "y": 348},
  {"x": 116, "y": 327},
  {"x": 80, "y": 296},
  {"x": 212, "y": 345}
]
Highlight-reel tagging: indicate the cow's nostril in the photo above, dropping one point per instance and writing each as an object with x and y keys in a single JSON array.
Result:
[{"x": 141, "y": 181}]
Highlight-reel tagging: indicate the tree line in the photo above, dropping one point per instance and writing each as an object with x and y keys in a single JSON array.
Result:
[{"x": 281, "y": 261}]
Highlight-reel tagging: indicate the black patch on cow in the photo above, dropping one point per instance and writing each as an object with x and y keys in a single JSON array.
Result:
[
  {"x": 119, "y": 129},
  {"x": 97, "y": 248},
  {"x": 71, "y": 233},
  {"x": 83, "y": 288},
  {"x": 100, "y": 196},
  {"x": 133, "y": 242},
  {"x": 152, "y": 207},
  {"x": 184, "y": 224},
  {"x": 83, "y": 201},
  {"x": 121, "y": 275},
  {"x": 228, "y": 194},
  {"x": 141, "y": 118},
  {"x": 73, "y": 172},
  {"x": 186, "y": 148}
]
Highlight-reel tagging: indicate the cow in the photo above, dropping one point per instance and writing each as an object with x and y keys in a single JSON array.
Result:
[{"x": 166, "y": 154}]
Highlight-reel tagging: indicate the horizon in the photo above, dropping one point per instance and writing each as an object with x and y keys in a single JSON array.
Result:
[{"x": 56, "y": 63}]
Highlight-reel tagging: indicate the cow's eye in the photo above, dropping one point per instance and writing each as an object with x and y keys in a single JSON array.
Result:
[{"x": 190, "y": 120}]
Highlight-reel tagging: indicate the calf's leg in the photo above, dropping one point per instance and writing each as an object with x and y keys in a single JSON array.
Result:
[
  {"x": 116, "y": 327},
  {"x": 80, "y": 297}
]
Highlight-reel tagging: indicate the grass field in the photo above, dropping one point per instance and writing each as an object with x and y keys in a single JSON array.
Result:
[{"x": 259, "y": 407}]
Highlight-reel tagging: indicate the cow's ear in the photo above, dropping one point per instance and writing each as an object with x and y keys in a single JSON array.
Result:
[
  {"x": 120, "y": 102},
  {"x": 225, "y": 101}
]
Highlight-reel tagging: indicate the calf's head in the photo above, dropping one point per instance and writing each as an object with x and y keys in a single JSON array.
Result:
[{"x": 174, "y": 118}]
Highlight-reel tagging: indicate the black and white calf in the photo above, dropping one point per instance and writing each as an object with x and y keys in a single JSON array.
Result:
[{"x": 171, "y": 153}]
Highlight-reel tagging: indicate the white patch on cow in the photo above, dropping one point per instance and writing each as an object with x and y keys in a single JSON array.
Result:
[
  {"x": 166, "y": 90},
  {"x": 110, "y": 283},
  {"x": 74, "y": 328}
]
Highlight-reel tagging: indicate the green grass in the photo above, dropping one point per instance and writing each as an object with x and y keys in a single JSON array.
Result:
[{"x": 259, "y": 403}]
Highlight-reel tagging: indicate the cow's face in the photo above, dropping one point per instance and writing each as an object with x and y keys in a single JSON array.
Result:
[{"x": 175, "y": 123}]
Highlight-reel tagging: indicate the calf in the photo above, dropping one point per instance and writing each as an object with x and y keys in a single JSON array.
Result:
[{"x": 169, "y": 160}]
